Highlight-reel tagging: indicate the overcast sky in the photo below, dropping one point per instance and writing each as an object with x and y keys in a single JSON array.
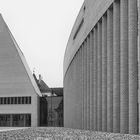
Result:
[{"x": 41, "y": 29}]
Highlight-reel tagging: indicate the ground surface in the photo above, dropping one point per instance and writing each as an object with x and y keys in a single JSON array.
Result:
[{"x": 61, "y": 134}]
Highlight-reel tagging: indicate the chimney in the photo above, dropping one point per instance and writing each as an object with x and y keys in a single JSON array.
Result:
[{"x": 40, "y": 78}]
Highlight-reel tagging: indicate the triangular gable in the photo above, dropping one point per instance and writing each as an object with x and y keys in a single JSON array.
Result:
[{"x": 15, "y": 74}]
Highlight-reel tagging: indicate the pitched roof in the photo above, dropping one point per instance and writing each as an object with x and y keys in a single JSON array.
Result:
[
  {"x": 15, "y": 75},
  {"x": 44, "y": 87},
  {"x": 58, "y": 91}
]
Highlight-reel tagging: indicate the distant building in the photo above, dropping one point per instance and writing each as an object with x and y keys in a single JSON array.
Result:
[
  {"x": 55, "y": 111},
  {"x": 51, "y": 104}
]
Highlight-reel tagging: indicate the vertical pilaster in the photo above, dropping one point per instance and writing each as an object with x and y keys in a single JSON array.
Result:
[
  {"x": 78, "y": 89},
  {"x": 99, "y": 76},
  {"x": 104, "y": 73},
  {"x": 88, "y": 82},
  {"x": 124, "y": 106},
  {"x": 91, "y": 80},
  {"x": 74, "y": 92},
  {"x": 82, "y": 55},
  {"x": 116, "y": 66},
  {"x": 133, "y": 65},
  {"x": 110, "y": 70},
  {"x": 139, "y": 65},
  {"x": 85, "y": 85},
  {"x": 81, "y": 87},
  {"x": 11, "y": 120},
  {"x": 95, "y": 79}
]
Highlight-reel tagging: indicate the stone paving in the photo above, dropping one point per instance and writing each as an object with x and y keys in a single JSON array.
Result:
[{"x": 50, "y": 133}]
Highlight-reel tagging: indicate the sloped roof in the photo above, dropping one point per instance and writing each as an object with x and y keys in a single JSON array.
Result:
[
  {"x": 58, "y": 91},
  {"x": 44, "y": 87},
  {"x": 15, "y": 75}
]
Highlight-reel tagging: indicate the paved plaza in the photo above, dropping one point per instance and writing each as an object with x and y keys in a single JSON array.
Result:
[{"x": 57, "y": 133}]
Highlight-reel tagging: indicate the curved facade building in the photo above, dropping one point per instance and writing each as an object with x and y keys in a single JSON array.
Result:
[{"x": 101, "y": 68}]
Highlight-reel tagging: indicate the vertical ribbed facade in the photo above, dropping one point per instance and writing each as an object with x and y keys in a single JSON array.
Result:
[
  {"x": 95, "y": 78},
  {"x": 133, "y": 65},
  {"x": 138, "y": 115},
  {"x": 82, "y": 55},
  {"x": 116, "y": 67},
  {"x": 85, "y": 85},
  {"x": 91, "y": 81},
  {"x": 81, "y": 87},
  {"x": 101, "y": 78},
  {"x": 88, "y": 82},
  {"x": 104, "y": 73},
  {"x": 110, "y": 70},
  {"x": 124, "y": 105}
]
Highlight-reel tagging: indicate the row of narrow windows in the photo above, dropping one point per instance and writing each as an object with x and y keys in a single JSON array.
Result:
[
  {"x": 15, "y": 100},
  {"x": 15, "y": 120}
]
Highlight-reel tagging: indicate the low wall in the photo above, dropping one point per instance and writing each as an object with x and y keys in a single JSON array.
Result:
[{"x": 50, "y": 133}]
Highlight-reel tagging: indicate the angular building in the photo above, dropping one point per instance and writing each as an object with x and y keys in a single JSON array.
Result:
[
  {"x": 19, "y": 94},
  {"x": 101, "y": 68}
]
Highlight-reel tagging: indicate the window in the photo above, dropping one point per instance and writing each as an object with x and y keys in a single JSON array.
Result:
[
  {"x": 0, "y": 100},
  {"x": 5, "y": 100},
  {"x": 8, "y": 100},
  {"x": 22, "y": 100},
  {"x": 29, "y": 100},
  {"x": 26, "y": 100},
  {"x": 15, "y": 100},
  {"x": 19, "y": 100},
  {"x": 78, "y": 29},
  {"x": 12, "y": 100},
  {"x": 84, "y": 9}
]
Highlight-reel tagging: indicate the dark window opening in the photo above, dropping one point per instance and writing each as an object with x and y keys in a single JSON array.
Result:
[
  {"x": 84, "y": 9},
  {"x": 12, "y": 100},
  {"x": 15, "y": 100},
  {"x": 16, "y": 120},
  {"x": 4, "y": 100},
  {"x": 22, "y": 100},
  {"x": 78, "y": 29}
]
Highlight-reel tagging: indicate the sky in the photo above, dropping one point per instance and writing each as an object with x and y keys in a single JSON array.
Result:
[{"x": 41, "y": 29}]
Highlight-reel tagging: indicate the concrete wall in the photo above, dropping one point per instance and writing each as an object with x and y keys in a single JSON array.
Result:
[{"x": 101, "y": 68}]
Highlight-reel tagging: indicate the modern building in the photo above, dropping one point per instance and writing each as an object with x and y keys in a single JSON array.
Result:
[
  {"x": 25, "y": 101},
  {"x": 19, "y": 93},
  {"x": 101, "y": 64}
]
